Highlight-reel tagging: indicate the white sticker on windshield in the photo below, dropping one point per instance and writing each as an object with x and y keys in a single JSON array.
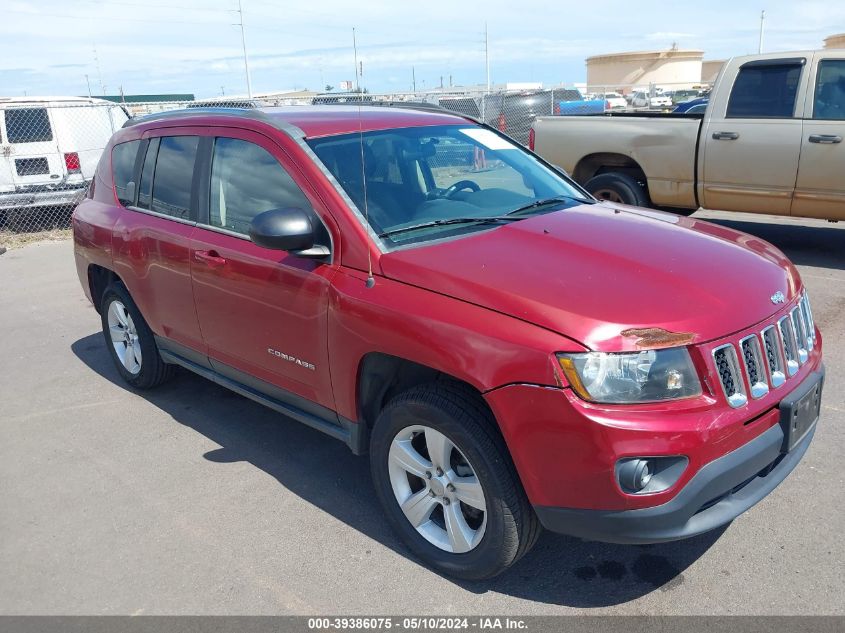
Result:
[{"x": 488, "y": 139}]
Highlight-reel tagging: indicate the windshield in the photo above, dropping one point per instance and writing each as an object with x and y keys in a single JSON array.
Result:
[{"x": 426, "y": 183}]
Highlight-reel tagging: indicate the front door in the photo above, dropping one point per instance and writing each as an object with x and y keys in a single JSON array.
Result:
[
  {"x": 820, "y": 189},
  {"x": 262, "y": 312},
  {"x": 751, "y": 143}
]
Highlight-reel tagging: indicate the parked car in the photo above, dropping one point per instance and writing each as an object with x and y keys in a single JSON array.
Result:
[
  {"x": 334, "y": 98},
  {"x": 510, "y": 352},
  {"x": 769, "y": 142},
  {"x": 514, "y": 112},
  {"x": 692, "y": 106},
  {"x": 615, "y": 101},
  {"x": 49, "y": 148},
  {"x": 643, "y": 100},
  {"x": 683, "y": 96}
]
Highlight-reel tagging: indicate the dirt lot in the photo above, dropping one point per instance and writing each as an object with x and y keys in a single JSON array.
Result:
[{"x": 193, "y": 500}]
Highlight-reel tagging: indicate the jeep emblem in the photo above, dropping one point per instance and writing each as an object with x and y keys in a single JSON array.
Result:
[{"x": 778, "y": 297}]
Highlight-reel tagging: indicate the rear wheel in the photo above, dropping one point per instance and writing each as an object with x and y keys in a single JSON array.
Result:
[
  {"x": 130, "y": 341},
  {"x": 618, "y": 187},
  {"x": 447, "y": 484}
]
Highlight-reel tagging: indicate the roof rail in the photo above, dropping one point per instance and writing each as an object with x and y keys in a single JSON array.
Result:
[{"x": 185, "y": 113}]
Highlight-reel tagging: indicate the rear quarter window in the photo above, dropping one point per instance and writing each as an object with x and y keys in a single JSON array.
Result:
[
  {"x": 28, "y": 125},
  {"x": 123, "y": 171}
]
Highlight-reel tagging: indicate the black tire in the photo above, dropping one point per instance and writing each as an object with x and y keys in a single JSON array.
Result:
[
  {"x": 512, "y": 527},
  {"x": 153, "y": 370},
  {"x": 618, "y": 187}
]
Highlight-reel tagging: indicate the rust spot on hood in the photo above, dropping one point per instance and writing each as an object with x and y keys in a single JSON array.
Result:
[{"x": 651, "y": 337}]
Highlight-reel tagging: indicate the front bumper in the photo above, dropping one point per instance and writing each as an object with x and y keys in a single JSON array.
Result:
[{"x": 718, "y": 493}]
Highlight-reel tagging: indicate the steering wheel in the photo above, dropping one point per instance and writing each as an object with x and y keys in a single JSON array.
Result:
[{"x": 460, "y": 186}]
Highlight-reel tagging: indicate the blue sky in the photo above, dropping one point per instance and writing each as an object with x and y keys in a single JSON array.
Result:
[{"x": 192, "y": 46}]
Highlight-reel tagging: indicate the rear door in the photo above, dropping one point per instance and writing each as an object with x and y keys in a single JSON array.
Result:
[
  {"x": 152, "y": 238},
  {"x": 752, "y": 139},
  {"x": 30, "y": 145},
  {"x": 820, "y": 189}
]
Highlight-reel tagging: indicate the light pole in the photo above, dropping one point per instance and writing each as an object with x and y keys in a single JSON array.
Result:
[
  {"x": 760, "y": 43},
  {"x": 243, "y": 44}
]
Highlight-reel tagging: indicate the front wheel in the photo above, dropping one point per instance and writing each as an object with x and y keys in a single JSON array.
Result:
[{"x": 447, "y": 484}]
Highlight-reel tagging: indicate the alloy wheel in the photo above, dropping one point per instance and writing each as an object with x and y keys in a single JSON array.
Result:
[
  {"x": 437, "y": 489},
  {"x": 124, "y": 337}
]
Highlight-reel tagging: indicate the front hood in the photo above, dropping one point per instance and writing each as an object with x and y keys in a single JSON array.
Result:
[{"x": 593, "y": 272}]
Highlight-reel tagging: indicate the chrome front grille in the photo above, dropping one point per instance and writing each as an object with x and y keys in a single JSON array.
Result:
[{"x": 765, "y": 361}]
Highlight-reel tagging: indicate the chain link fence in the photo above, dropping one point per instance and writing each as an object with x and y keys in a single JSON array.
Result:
[{"x": 50, "y": 147}]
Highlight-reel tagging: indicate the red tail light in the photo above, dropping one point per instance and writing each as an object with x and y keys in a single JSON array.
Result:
[
  {"x": 531, "y": 139},
  {"x": 607, "y": 105},
  {"x": 72, "y": 161},
  {"x": 503, "y": 126}
]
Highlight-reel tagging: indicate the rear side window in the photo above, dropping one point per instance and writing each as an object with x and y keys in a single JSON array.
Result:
[
  {"x": 246, "y": 180},
  {"x": 830, "y": 90},
  {"x": 765, "y": 91},
  {"x": 174, "y": 171},
  {"x": 123, "y": 171},
  {"x": 28, "y": 125}
]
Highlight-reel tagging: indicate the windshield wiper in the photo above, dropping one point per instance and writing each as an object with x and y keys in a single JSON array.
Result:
[
  {"x": 536, "y": 204},
  {"x": 467, "y": 220}
]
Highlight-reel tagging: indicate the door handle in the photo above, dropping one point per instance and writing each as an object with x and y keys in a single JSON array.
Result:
[
  {"x": 211, "y": 258},
  {"x": 825, "y": 139},
  {"x": 725, "y": 136}
]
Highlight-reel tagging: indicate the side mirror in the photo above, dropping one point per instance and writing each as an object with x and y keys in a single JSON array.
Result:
[{"x": 288, "y": 229}]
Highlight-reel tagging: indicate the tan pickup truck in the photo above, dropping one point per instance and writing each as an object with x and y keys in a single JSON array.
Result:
[{"x": 770, "y": 141}]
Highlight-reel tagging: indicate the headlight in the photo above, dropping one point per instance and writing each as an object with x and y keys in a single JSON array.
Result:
[{"x": 626, "y": 378}]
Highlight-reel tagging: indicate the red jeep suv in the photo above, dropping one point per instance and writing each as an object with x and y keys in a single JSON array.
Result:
[{"x": 510, "y": 352}]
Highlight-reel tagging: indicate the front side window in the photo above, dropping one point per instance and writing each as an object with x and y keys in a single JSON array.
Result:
[
  {"x": 123, "y": 170},
  {"x": 28, "y": 125},
  {"x": 429, "y": 182},
  {"x": 765, "y": 91},
  {"x": 830, "y": 90},
  {"x": 174, "y": 170},
  {"x": 246, "y": 180}
]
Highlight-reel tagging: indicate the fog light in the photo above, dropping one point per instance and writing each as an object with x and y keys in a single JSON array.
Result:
[{"x": 635, "y": 474}]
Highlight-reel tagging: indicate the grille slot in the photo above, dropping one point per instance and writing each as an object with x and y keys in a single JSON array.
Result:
[
  {"x": 798, "y": 328},
  {"x": 809, "y": 326},
  {"x": 752, "y": 358},
  {"x": 729, "y": 375},
  {"x": 790, "y": 347},
  {"x": 774, "y": 356}
]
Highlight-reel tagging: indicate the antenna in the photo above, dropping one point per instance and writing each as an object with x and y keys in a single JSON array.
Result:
[{"x": 370, "y": 279}]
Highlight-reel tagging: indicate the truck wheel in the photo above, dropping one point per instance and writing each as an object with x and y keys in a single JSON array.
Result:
[
  {"x": 618, "y": 187},
  {"x": 130, "y": 340},
  {"x": 447, "y": 484}
]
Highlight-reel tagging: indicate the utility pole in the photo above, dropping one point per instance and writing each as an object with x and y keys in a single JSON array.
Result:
[
  {"x": 762, "y": 19},
  {"x": 243, "y": 44},
  {"x": 99, "y": 74},
  {"x": 88, "y": 82},
  {"x": 413, "y": 79},
  {"x": 487, "y": 56}
]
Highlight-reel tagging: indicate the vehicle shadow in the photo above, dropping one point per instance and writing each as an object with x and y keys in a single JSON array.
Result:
[
  {"x": 817, "y": 243},
  {"x": 559, "y": 570}
]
